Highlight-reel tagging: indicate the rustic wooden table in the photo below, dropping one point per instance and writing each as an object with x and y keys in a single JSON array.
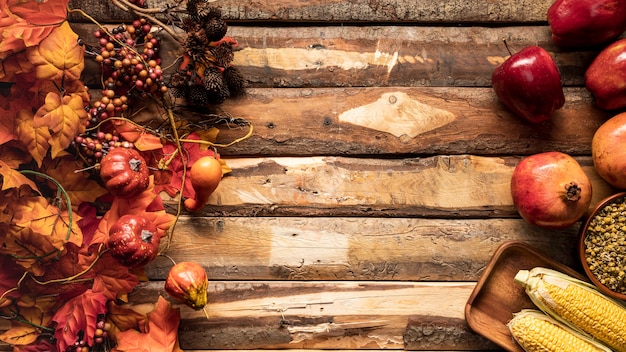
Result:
[{"x": 375, "y": 187}]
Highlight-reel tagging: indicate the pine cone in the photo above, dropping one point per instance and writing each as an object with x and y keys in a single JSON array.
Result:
[
  {"x": 215, "y": 86},
  {"x": 215, "y": 29},
  {"x": 223, "y": 54},
  {"x": 235, "y": 81}
]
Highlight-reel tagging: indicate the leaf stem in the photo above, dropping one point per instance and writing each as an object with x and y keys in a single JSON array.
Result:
[{"x": 65, "y": 196}]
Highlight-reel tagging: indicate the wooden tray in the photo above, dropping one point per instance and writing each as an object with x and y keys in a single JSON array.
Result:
[{"x": 496, "y": 296}]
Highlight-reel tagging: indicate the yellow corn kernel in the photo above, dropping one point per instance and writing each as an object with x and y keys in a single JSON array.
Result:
[
  {"x": 577, "y": 304},
  {"x": 534, "y": 331}
]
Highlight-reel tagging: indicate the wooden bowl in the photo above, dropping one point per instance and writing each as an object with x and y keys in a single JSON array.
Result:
[
  {"x": 581, "y": 245},
  {"x": 496, "y": 296}
]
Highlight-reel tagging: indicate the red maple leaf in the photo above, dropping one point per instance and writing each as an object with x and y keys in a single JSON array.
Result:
[
  {"x": 76, "y": 315},
  {"x": 191, "y": 153},
  {"x": 112, "y": 278},
  {"x": 9, "y": 277},
  {"x": 160, "y": 334},
  {"x": 56, "y": 278}
]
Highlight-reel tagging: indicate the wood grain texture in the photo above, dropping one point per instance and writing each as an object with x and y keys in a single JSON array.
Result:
[
  {"x": 403, "y": 121},
  {"x": 327, "y": 315},
  {"x": 462, "y": 186},
  {"x": 452, "y": 12},
  {"x": 373, "y": 56},
  {"x": 337, "y": 248}
]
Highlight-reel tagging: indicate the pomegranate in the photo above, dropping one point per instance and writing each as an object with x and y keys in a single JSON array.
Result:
[
  {"x": 550, "y": 190},
  {"x": 608, "y": 150}
]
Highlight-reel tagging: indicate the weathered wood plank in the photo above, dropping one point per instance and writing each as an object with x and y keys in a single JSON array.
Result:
[
  {"x": 403, "y": 121},
  {"x": 348, "y": 56},
  {"x": 459, "y": 186},
  {"x": 424, "y": 11},
  {"x": 327, "y": 315},
  {"x": 287, "y": 248}
]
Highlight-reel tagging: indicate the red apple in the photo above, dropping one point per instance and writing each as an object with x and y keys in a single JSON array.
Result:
[
  {"x": 606, "y": 76},
  {"x": 580, "y": 23},
  {"x": 529, "y": 84}
]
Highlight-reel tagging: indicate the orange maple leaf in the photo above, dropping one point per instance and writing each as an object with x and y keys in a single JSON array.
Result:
[
  {"x": 59, "y": 56},
  {"x": 160, "y": 334},
  {"x": 78, "y": 185},
  {"x": 35, "y": 139},
  {"x": 25, "y": 330},
  {"x": 38, "y": 232},
  {"x": 14, "y": 179},
  {"x": 65, "y": 117},
  {"x": 138, "y": 136},
  {"x": 26, "y": 23},
  {"x": 14, "y": 65},
  {"x": 14, "y": 154}
]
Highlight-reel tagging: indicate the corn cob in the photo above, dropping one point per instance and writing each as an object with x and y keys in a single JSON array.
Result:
[
  {"x": 535, "y": 331},
  {"x": 577, "y": 304}
]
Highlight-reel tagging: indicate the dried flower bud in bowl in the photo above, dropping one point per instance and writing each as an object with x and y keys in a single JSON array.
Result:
[{"x": 602, "y": 245}]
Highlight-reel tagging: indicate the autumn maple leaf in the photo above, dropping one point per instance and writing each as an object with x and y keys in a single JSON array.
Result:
[
  {"x": 25, "y": 330},
  {"x": 141, "y": 139},
  {"x": 35, "y": 139},
  {"x": 13, "y": 179},
  {"x": 79, "y": 314},
  {"x": 174, "y": 176},
  {"x": 38, "y": 232},
  {"x": 58, "y": 56},
  {"x": 65, "y": 117},
  {"x": 10, "y": 275},
  {"x": 79, "y": 187},
  {"x": 160, "y": 334},
  {"x": 112, "y": 278},
  {"x": 26, "y": 23}
]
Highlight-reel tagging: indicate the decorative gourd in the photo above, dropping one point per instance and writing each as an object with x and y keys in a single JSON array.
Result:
[
  {"x": 124, "y": 172},
  {"x": 205, "y": 175},
  {"x": 187, "y": 282},
  {"x": 133, "y": 240}
]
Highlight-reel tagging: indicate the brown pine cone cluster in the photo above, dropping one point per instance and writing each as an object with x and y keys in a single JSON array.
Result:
[{"x": 206, "y": 76}]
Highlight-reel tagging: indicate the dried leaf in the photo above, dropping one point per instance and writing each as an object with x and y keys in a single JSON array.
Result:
[
  {"x": 65, "y": 117},
  {"x": 59, "y": 56},
  {"x": 78, "y": 314},
  {"x": 161, "y": 333}
]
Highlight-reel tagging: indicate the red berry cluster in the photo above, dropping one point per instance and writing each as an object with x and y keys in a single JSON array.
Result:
[
  {"x": 93, "y": 146},
  {"x": 101, "y": 340},
  {"x": 130, "y": 67}
]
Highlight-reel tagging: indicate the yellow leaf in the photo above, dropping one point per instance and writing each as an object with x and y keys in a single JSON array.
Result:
[
  {"x": 78, "y": 185},
  {"x": 11, "y": 178},
  {"x": 58, "y": 56},
  {"x": 65, "y": 117},
  {"x": 24, "y": 333},
  {"x": 34, "y": 138}
]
